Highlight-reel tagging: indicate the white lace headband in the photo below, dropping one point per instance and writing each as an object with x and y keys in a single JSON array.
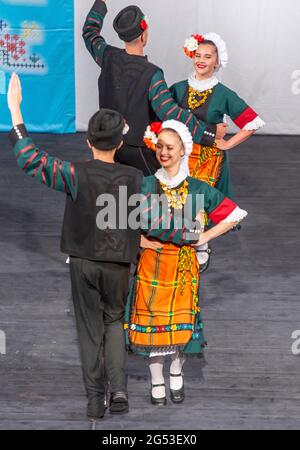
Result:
[
  {"x": 183, "y": 132},
  {"x": 153, "y": 130}
]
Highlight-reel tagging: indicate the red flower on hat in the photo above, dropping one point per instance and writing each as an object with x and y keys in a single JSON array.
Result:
[
  {"x": 156, "y": 127},
  {"x": 198, "y": 37},
  {"x": 144, "y": 24}
]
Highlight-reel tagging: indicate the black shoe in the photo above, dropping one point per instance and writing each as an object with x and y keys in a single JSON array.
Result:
[
  {"x": 95, "y": 408},
  {"x": 177, "y": 396},
  {"x": 118, "y": 403},
  {"x": 162, "y": 401},
  {"x": 238, "y": 227}
]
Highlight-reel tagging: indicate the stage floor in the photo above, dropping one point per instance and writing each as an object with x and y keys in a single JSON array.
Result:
[{"x": 250, "y": 309}]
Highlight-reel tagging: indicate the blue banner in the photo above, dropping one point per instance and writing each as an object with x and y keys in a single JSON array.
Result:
[{"x": 37, "y": 42}]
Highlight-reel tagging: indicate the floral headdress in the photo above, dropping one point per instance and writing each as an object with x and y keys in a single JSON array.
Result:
[
  {"x": 191, "y": 44},
  {"x": 151, "y": 135},
  {"x": 153, "y": 130}
]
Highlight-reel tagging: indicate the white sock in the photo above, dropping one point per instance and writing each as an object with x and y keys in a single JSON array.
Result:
[
  {"x": 156, "y": 366},
  {"x": 178, "y": 361},
  {"x": 201, "y": 255}
]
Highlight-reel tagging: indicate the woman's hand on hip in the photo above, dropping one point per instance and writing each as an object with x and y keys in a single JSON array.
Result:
[{"x": 149, "y": 243}]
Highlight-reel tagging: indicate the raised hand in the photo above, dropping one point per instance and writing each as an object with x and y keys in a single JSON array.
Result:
[
  {"x": 14, "y": 99},
  {"x": 14, "y": 96}
]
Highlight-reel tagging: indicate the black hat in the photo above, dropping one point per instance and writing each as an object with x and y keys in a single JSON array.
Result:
[
  {"x": 105, "y": 131},
  {"x": 128, "y": 23}
]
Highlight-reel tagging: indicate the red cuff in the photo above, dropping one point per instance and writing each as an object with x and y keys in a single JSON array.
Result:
[
  {"x": 222, "y": 210},
  {"x": 247, "y": 116}
]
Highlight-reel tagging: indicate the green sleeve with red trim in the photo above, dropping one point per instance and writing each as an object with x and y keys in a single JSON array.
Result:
[
  {"x": 165, "y": 107},
  {"x": 238, "y": 110},
  {"x": 53, "y": 172},
  {"x": 91, "y": 33},
  {"x": 216, "y": 205}
]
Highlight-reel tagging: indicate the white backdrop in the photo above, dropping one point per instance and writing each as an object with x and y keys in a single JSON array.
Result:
[{"x": 263, "y": 40}]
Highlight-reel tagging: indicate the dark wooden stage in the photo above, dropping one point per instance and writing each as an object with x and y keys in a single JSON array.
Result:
[{"x": 251, "y": 379}]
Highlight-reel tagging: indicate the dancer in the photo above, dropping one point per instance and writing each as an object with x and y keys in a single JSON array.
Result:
[
  {"x": 129, "y": 83},
  {"x": 210, "y": 100},
  {"x": 99, "y": 258},
  {"x": 163, "y": 315}
]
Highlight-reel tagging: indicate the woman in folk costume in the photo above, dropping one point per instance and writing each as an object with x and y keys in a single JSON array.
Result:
[
  {"x": 212, "y": 101},
  {"x": 163, "y": 314}
]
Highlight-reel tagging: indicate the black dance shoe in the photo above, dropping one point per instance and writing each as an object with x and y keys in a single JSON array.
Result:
[
  {"x": 95, "y": 408},
  {"x": 177, "y": 396},
  {"x": 162, "y": 401},
  {"x": 118, "y": 403}
]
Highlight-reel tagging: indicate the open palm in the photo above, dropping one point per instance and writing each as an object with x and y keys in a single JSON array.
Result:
[{"x": 14, "y": 96}]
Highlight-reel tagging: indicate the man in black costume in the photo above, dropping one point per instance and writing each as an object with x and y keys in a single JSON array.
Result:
[{"x": 99, "y": 258}]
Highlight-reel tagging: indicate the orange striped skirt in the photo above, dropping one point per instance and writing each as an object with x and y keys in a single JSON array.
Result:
[
  {"x": 164, "y": 302},
  {"x": 205, "y": 164}
]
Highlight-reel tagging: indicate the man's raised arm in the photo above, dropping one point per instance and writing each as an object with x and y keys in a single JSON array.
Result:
[
  {"x": 91, "y": 32},
  {"x": 54, "y": 173}
]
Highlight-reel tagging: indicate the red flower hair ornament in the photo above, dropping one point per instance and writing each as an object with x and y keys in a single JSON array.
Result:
[
  {"x": 151, "y": 134},
  {"x": 191, "y": 44}
]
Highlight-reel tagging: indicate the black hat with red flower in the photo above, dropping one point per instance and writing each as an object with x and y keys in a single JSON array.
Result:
[
  {"x": 106, "y": 129},
  {"x": 130, "y": 23}
]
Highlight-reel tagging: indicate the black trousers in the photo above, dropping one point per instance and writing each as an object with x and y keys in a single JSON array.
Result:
[
  {"x": 99, "y": 291},
  {"x": 141, "y": 158}
]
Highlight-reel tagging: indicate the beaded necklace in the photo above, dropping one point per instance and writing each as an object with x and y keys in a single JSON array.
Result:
[
  {"x": 194, "y": 101},
  {"x": 176, "y": 197}
]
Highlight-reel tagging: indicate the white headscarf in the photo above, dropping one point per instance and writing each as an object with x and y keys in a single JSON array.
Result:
[
  {"x": 222, "y": 52},
  {"x": 187, "y": 140}
]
